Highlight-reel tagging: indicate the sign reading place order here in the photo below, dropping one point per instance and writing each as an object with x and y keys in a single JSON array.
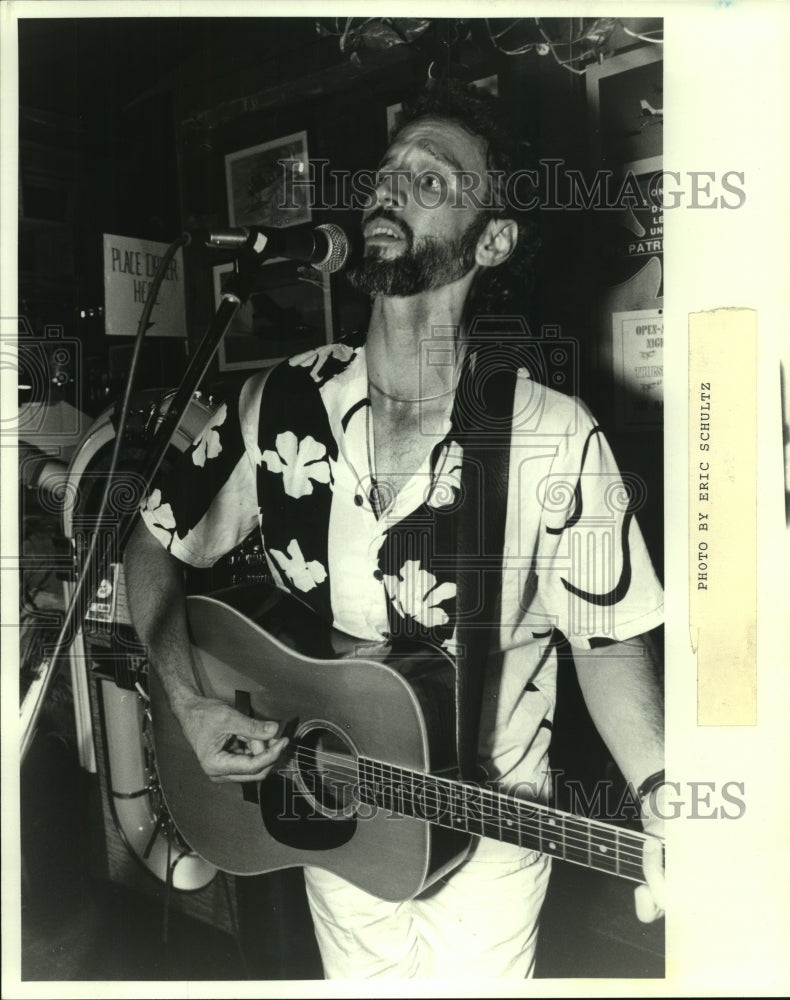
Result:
[{"x": 129, "y": 268}]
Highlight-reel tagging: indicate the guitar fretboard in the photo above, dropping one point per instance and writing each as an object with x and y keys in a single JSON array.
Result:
[{"x": 485, "y": 813}]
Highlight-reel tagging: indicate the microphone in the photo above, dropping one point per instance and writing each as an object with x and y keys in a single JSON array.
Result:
[{"x": 325, "y": 247}]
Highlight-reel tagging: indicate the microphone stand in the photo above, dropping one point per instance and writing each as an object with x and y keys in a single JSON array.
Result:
[{"x": 236, "y": 292}]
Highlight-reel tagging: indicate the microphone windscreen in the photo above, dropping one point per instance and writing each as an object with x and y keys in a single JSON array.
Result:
[{"x": 336, "y": 250}]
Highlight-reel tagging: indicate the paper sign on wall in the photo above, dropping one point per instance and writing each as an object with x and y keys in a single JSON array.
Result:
[
  {"x": 638, "y": 342},
  {"x": 129, "y": 268}
]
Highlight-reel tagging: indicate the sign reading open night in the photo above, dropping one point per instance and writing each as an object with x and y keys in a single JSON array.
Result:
[{"x": 129, "y": 269}]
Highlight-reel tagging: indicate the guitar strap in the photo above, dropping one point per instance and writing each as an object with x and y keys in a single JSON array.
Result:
[{"x": 482, "y": 421}]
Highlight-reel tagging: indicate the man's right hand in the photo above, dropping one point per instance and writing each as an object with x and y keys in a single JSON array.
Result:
[{"x": 229, "y": 746}]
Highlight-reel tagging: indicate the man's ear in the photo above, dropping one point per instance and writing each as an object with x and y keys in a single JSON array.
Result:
[{"x": 497, "y": 242}]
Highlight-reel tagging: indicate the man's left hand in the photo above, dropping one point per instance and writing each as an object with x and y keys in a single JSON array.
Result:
[{"x": 650, "y": 898}]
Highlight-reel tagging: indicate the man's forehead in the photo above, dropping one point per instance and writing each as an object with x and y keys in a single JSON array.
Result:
[{"x": 446, "y": 140}]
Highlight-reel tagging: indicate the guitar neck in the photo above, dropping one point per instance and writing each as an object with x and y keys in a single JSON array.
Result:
[{"x": 499, "y": 816}]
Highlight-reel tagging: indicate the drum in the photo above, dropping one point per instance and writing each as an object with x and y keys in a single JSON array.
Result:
[
  {"x": 133, "y": 795},
  {"x": 91, "y": 460},
  {"x": 114, "y": 717}
]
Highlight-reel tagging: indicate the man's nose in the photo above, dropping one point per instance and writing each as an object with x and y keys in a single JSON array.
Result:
[{"x": 390, "y": 186}]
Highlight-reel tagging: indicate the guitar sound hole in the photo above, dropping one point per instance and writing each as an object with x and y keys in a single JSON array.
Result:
[
  {"x": 310, "y": 804},
  {"x": 326, "y": 771}
]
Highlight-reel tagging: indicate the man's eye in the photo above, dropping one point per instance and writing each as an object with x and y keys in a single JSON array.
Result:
[{"x": 432, "y": 184}]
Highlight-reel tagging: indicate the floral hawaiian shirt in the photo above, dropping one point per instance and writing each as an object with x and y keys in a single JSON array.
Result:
[{"x": 292, "y": 457}]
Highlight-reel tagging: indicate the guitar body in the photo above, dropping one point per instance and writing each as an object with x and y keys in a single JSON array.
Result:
[{"x": 338, "y": 699}]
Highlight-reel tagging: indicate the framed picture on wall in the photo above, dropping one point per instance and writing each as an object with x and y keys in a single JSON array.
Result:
[
  {"x": 625, "y": 95},
  {"x": 289, "y": 311},
  {"x": 257, "y": 180}
]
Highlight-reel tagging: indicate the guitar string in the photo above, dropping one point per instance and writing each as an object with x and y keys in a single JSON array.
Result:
[
  {"x": 621, "y": 856},
  {"x": 619, "y": 835},
  {"x": 352, "y": 771}
]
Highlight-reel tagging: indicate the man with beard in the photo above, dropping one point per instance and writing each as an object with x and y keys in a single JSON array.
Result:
[{"x": 348, "y": 460}]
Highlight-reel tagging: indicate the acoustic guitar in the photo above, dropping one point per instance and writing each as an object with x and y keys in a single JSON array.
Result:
[{"x": 365, "y": 787}]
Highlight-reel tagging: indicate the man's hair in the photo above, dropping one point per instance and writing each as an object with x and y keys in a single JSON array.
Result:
[{"x": 503, "y": 289}]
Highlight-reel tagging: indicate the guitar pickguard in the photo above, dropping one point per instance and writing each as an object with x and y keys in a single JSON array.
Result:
[{"x": 293, "y": 819}]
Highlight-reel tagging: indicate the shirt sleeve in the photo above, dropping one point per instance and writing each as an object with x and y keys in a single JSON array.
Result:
[
  {"x": 595, "y": 577},
  {"x": 206, "y": 504}
]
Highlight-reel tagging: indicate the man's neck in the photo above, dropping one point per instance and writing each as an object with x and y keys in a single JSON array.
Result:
[{"x": 403, "y": 334}]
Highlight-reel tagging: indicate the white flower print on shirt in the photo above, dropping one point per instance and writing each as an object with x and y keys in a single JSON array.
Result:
[
  {"x": 315, "y": 359},
  {"x": 414, "y": 593},
  {"x": 300, "y": 462},
  {"x": 447, "y": 487},
  {"x": 160, "y": 519},
  {"x": 303, "y": 575},
  {"x": 207, "y": 444}
]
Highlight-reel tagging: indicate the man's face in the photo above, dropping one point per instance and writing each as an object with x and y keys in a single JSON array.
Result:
[{"x": 421, "y": 232}]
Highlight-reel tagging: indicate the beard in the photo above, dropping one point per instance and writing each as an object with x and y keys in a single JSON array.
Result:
[{"x": 431, "y": 264}]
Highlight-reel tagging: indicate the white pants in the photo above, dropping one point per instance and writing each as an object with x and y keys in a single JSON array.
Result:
[{"x": 481, "y": 921}]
